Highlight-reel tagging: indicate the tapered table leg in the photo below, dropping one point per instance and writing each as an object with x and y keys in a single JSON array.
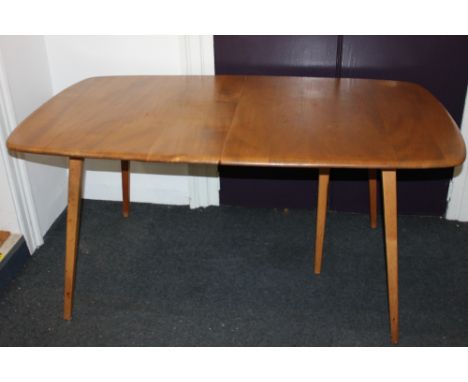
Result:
[
  {"x": 373, "y": 198},
  {"x": 324, "y": 180},
  {"x": 391, "y": 246},
  {"x": 125, "y": 188},
  {"x": 73, "y": 219}
]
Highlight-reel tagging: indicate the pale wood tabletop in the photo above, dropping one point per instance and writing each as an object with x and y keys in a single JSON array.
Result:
[
  {"x": 247, "y": 120},
  {"x": 254, "y": 120}
]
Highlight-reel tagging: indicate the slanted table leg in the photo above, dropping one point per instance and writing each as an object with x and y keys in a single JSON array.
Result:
[
  {"x": 391, "y": 247},
  {"x": 73, "y": 220},
  {"x": 324, "y": 180},
  {"x": 125, "y": 188},
  {"x": 373, "y": 198}
]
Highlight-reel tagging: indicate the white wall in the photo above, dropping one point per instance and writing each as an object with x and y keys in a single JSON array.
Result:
[
  {"x": 457, "y": 207},
  {"x": 8, "y": 217},
  {"x": 74, "y": 58},
  {"x": 26, "y": 66}
]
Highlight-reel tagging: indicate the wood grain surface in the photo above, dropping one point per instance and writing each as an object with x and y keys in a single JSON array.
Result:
[
  {"x": 391, "y": 249},
  {"x": 75, "y": 178},
  {"x": 373, "y": 198},
  {"x": 324, "y": 181},
  {"x": 3, "y": 236},
  {"x": 246, "y": 120},
  {"x": 125, "y": 169}
]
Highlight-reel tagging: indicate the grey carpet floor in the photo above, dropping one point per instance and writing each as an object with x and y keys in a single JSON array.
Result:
[{"x": 227, "y": 276}]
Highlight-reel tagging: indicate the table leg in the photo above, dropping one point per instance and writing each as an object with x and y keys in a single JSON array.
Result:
[
  {"x": 73, "y": 219},
  {"x": 125, "y": 188},
  {"x": 391, "y": 247},
  {"x": 324, "y": 179},
  {"x": 373, "y": 198}
]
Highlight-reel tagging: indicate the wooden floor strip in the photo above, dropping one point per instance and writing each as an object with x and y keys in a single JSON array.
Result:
[{"x": 3, "y": 236}]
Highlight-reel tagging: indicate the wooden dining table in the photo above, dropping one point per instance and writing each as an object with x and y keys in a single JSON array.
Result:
[{"x": 322, "y": 123}]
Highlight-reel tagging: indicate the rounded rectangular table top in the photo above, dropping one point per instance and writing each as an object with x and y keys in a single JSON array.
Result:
[{"x": 246, "y": 120}]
